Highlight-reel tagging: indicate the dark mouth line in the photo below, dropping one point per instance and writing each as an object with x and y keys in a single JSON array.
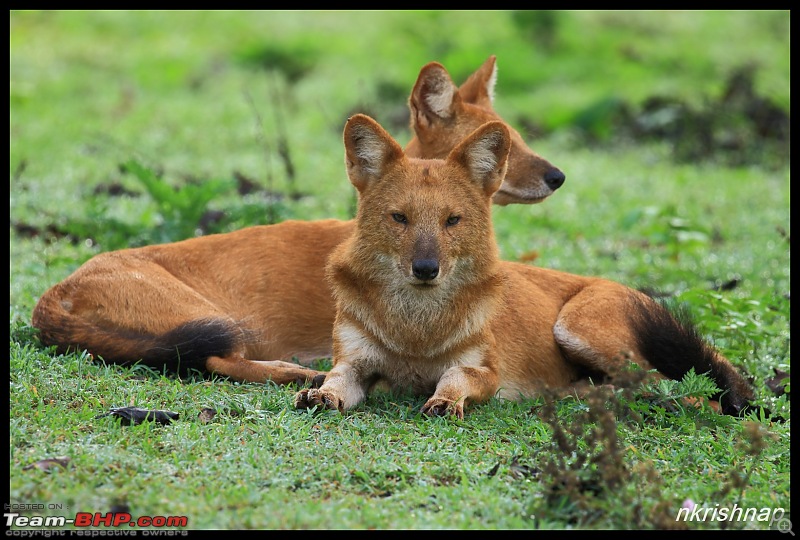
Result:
[
  {"x": 525, "y": 199},
  {"x": 522, "y": 197}
]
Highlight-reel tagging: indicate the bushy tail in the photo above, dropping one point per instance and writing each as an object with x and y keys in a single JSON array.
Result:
[
  {"x": 671, "y": 343},
  {"x": 180, "y": 350}
]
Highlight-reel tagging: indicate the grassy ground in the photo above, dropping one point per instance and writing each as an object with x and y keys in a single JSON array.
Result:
[{"x": 206, "y": 98}]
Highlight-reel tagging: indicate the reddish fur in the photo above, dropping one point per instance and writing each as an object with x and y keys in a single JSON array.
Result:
[{"x": 530, "y": 328}]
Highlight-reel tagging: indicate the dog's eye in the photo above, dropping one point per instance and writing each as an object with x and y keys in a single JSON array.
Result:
[
  {"x": 400, "y": 218},
  {"x": 452, "y": 220}
]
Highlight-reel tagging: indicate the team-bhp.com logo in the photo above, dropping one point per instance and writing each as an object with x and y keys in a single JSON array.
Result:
[{"x": 95, "y": 519}]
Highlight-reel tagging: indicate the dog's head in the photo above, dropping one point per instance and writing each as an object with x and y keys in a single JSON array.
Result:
[
  {"x": 425, "y": 222},
  {"x": 442, "y": 114}
]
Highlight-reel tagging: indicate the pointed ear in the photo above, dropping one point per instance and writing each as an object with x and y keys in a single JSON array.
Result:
[
  {"x": 484, "y": 153},
  {"x": 433, "y": 98},
  {"x": 369, "y": 150},
  {"x": 479, "y": 88}
]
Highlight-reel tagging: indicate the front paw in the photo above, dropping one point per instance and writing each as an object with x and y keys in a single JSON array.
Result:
[
  {"x": 442, "y": 407},
  {"x": 311, "y": 397}
]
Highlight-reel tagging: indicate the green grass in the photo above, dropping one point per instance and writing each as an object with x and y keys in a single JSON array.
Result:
[{"x": 199, "y": 98}]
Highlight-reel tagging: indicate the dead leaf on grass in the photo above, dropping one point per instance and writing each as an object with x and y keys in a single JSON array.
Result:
[
  {"x": 206, "y": 415},
  {"x": 131, "y": 416},
  {"x": 48, "y": 464}
]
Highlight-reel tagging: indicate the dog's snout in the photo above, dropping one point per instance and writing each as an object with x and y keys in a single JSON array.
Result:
[
  {"x": 425, "y": 269},
  {"x": 554, "y": 178}
]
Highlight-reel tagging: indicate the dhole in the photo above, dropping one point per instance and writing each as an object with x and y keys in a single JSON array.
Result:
[
  {"x": 424, "y": 304},
  {"x": 245, "y": 303}
]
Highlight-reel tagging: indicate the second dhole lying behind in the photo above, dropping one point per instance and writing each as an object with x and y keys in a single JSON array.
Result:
[{"x": 423, "y": 302}]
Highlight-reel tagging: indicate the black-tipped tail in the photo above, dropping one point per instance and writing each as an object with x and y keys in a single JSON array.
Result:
[
  {"x": 671, "y": 343},
  {"x": 188, "y": 346},
  {"x": 182, "y": 349}
]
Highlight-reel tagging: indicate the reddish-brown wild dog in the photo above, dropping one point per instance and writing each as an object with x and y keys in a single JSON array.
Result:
[
  {"x": 246, "y": 303},
  {"x": 424, "y": 304}
]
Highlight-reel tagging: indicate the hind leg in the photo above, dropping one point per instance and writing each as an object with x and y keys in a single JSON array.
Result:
[
  {"x": 606, "y": 323},
  {"x": 126, "y": 309},
  {"x": 116, "y": 294},
  {"x": 241, "y": 369},
  {"x": 594, "y": 331}
]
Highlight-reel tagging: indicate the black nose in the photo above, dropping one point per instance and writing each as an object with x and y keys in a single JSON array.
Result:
[
  {"x": 425, "y": 269},
  {"x": 554, "y": 178}
]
